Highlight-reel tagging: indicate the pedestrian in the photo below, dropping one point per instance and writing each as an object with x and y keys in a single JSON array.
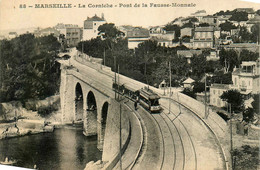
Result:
[{"x": 135, "y": 105}]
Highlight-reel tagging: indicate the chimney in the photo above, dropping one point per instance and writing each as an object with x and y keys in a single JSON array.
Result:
[{"x": 102, "y": 16}]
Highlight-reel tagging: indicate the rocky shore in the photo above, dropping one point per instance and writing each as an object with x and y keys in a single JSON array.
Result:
[{"x": 16, "y": 120}]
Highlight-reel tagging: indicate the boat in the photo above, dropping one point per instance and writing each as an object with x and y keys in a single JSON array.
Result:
[{"x": 8, "y": 162}]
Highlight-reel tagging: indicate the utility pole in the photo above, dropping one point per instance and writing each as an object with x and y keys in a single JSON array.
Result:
[
  {"x": 231, "y": 140},
  {"x": 118, "y": 83},
  {"x": 120, "y": 135},
  {"x": 170, "y": 85},
  {"x": 115, "y": 74},
  {"x": 104, "y": 57},
  {"x": 205, "y": 97}
]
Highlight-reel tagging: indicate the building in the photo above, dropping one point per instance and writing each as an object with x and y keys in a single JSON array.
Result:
[
  {"x": 188, "y": 54},
  {"x": 222, "y": 19},
  {"x": 12, "y": 35},
  {"x": 208, "y": 19},
  {"x": 246, "y": 79},
  {"x": 136, "y": 36},
  {"x": 216, "y": 90},
  {"x": 203, "y": 37},
  {"x": 241, "y": 46},
  {"x": 46, "y": 31},
  {"x": 249, "y": 11},
  {"x": 187, "y": 32},
  {"x": 164, "y": 38},
  {"x": 188, "y": 83},
  {"x": 252, "y": 22},
  {"x": 90, "y": 27},
  {"x": 72, "y": 33},
  {"x": 154, "y": 31},
  {"x": 199, "y": 15}
]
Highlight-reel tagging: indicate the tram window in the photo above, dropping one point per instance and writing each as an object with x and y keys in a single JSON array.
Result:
[{"x": 154, "y": 102}]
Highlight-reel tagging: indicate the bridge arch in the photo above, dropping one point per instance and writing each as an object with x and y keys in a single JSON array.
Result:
[
  {"x": 104, "y": 113},
  {"x": 91, "y": 123},
  {"x": 79, "y": 111}
]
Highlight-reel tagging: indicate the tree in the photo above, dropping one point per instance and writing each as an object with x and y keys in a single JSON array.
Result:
[
  {"x": 188, "y": 25},
  {"x": 239, "y": 16},
  {"x": 258, "y": 12},
  {"x": 245, "y": 35},
  {"x": 234, "y": 98},
  {"x": 227, "y": 26},
  {"x": 255, "y": 103},
  {"x": 228, "y": 59},
  {"x": 255, "y": 33},
  {"x": 199, "y": 87},
  {"x": 198, "y": 65},
  {"x": 203, "y": 24},
  {"x": 246, "y": 55},
  {"x": 246, "y": 157},
  {"x": 28, "y": 68},
  {"x": 189, "y": 92},
  {"x": 222, "y": 78},
  {"x": 248, "y": 115},
  {"x": 173, "y": 27},
  {"x": 109, "y": 30}
]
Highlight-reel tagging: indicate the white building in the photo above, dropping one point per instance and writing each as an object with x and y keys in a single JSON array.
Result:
[
  {"x": 216, "y": 90},
  {"x": 90, "y": 27},
  {"x": 246, "y": 79},
  {"x": 137, "y": 36}
]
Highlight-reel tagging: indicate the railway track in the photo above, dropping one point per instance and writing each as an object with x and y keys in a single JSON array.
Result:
[
  {"x": 175, "y": 146},
  {"x": 221, "y": 160},
  {"x": 189, "y": 152}
]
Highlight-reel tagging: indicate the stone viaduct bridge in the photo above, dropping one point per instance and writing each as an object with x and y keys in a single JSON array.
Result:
[{"x": 86, "y": 95}]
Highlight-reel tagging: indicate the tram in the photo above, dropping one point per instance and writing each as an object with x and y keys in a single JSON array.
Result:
[{"x": 145, "y": 96}]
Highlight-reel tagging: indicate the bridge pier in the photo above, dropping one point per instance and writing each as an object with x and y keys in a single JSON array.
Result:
[{"x": 90, "y": 123}]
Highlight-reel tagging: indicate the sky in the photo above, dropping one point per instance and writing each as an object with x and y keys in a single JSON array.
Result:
[{"x": 13, "y": 17}]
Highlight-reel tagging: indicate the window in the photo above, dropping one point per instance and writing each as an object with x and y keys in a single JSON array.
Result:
[
  {"x": 213, "y": 91},
  {"x": 218, "y": 102},
  {"x": 95, "y": 23},
  {"x": 235, "y": 81}
]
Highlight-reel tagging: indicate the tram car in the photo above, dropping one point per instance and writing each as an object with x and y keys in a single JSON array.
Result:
[
  {"x": 145, "y": 96},
  {"x": 149, "y": 100}
]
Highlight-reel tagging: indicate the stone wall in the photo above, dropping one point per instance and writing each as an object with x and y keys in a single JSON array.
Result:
[{"x": 111, "y": 141}]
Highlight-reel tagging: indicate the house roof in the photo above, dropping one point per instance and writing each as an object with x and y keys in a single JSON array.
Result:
[
  {"x": 138, "y": 32},
  {"x": 95, "y": 18},
  {"x": 189, "y": 53},
  {"x": 254, "y": 20},
  {"x": 242, "y": 45},
  {"x": 248, "y": 10},
  {"x": 220, "y": 86},
  {"x": 188, "y": 81},
  {"x": 160, "y": 39},
  {"x": 204, "y": 29}
]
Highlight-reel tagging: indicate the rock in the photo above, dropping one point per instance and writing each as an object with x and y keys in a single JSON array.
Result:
[{"x": 94, "y": 166}]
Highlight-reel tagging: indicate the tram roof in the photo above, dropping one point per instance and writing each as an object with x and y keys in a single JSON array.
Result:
[{"x": 149, "y": 93}]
